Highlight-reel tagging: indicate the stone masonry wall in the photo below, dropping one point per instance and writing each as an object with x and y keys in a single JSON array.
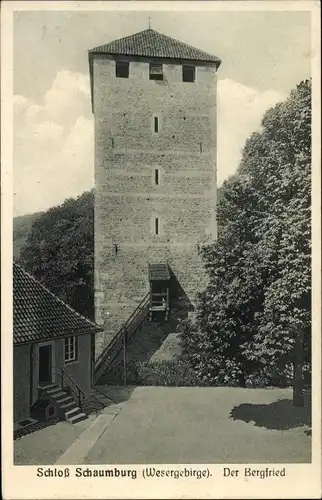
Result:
[{"x": 127, "y": 201}]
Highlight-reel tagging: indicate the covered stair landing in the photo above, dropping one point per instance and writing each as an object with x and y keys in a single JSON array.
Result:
[{"x": 159, "y": 279}]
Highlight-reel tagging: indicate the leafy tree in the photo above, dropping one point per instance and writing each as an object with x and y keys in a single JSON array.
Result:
[
  {"x": 225, "y": 316},
  {"x": 284, "y": 330},
  {"x": 256, "y": 308},
  {"x": 21, "y": 228},
  {"x": 59, "y": 252}
]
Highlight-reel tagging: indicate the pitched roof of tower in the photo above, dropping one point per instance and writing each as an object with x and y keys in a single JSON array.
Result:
[
  {"x": 151, "y": 43},
  {"x": 39, "y": 315}
]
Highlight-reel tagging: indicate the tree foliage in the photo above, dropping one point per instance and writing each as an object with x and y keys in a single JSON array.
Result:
[
  {"x": 59, "y": 252},
  {"x": 21, "y": 228},
  {"x": 258, "y": 296}
]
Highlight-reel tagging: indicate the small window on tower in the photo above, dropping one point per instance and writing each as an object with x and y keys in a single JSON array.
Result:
[
  {"x": 122, "y": 69},
  {"x": 156, "y": 71},
  {"x": 156, "y": 176},
  {"x": 188, "y": 73},
  {"x": 156, "y": 225},
  {"x": 156, "y": 124}
]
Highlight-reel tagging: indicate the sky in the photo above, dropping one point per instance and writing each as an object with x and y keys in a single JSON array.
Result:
[{"x": 264, "y": 55}]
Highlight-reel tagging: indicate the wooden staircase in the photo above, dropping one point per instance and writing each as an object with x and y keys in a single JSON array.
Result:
[
  {"x": 64, "y": 402},
  {"x": 113, "y": 351}
]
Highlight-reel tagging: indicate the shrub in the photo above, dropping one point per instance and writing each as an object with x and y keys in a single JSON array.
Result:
[{"x": 174, "y": 373}]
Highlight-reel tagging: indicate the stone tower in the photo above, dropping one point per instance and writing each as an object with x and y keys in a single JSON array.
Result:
[{"x": 154, "y": 103}]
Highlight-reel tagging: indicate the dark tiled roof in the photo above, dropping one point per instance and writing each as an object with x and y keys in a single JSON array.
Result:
[
  {"x": 159, "y": 272},
  {"x": 39, "y": 315},
  {"x": 151, "y": 43}
]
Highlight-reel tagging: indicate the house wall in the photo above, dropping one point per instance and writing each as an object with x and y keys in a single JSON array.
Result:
[
  {"x": 127, "y": 200},
  {"x": 80, "y": 370},
  {"x": 21, "y": 382}
]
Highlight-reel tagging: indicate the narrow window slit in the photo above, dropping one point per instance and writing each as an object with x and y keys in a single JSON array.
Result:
[{"x": 156, "y": 124}]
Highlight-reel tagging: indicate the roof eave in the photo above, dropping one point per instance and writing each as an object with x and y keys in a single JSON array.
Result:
[
  {"x": 47, "y": 339},
  {"x": 94, "y": 52}
]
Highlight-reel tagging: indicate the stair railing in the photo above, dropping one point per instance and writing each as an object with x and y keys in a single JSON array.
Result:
[
  {"x": 136, "y": 318},
  {"x": 77, "y": 391}
]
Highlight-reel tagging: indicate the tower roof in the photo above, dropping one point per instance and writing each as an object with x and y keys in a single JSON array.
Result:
[{"x": 151, "y": 43}]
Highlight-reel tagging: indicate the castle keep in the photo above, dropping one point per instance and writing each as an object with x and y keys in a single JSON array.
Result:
[{"x": 154, "y": 103}]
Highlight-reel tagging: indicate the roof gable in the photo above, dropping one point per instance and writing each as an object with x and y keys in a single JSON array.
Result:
[
  {"x": 151, "y": 43},
  {"x": 39, "y": 315}
]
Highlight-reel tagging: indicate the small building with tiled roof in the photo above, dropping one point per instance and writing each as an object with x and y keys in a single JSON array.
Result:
[{"x": 51, "y": 340}]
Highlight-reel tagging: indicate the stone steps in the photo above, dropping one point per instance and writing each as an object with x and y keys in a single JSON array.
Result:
[{"x": 65, "y": 403}]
